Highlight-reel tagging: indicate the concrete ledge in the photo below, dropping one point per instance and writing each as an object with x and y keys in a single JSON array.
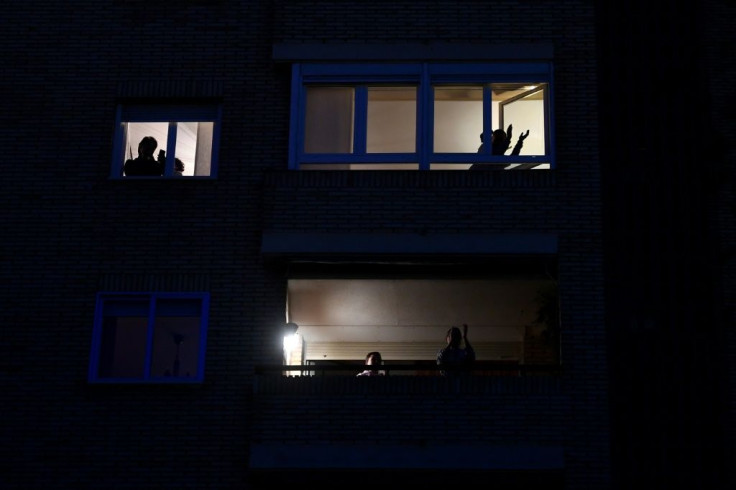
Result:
[
  {"x": 411, "y": 51},
  {"x": 341, "y": 456},
  {"x": 297, "y": 243}
]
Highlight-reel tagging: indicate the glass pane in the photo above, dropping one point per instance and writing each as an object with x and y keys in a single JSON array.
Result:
[
  {"x": 449, "y": 166},
  {"x": 328, "y": 124},
  {"x": 359, "y": 166},
  {"x": 194, "y": 148},
  {"x": 123, "y": 347},
  {"x": 176, "y": 338},
  {"x": 142, "y": 142},
  {"x": 458, "y": 119},
  {"x": 521, "y": 106},
  {"x": 392, "y": 120}
]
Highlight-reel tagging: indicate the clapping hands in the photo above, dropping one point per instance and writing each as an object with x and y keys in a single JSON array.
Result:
[{"x": 509, "y": 132}]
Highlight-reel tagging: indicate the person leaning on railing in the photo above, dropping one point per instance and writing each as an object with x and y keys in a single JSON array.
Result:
[
  {"x": 372, "y": 359},
  {"x": 454, "y": 357}
]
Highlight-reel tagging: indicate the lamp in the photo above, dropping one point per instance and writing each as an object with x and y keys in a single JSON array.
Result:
[
  {"x": 290, "y": 328},
  {"x": 291, "y": 342}
]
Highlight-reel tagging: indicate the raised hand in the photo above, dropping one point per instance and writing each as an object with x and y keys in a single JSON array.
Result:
[{"x": 523, "y": 136}]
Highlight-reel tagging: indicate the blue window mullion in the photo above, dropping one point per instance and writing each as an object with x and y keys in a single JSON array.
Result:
[
  {"x": 296, "y": 124},
  {"x": 487, "y": 118},
  {"x": 549, "y": 117},
  {"x": 149, "y": 337},
  {"x": 118, "y": 152},
  {"x": 96, "y": 339},
  {"x": 203, "y": 322},
  {"x": 170, "y": 148},
  {"x": 361, "y": 120},
  {"x": 425, "y": 119}
]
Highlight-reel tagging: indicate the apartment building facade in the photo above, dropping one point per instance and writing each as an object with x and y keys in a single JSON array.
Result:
[{"x": 320, "y": 186}]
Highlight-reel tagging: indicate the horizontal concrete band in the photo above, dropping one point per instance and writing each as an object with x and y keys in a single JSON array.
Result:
[
  {"x": 280, "y": 243},
  {"x": 411, "y": 51},
  {"x": 337, "y": 456}
]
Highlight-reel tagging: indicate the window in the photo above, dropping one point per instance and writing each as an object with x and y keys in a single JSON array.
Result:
[
  {"x": 184, "y": 140},
  {"x": 422, "y": 116},
  {"x": 157, "y": 337}
]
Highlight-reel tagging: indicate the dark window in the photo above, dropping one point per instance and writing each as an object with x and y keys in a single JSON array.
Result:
[{"x": 157, "y": 337}]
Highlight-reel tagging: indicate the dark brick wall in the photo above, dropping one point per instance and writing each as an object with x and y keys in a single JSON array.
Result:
[
  {"x": 70, "y": 232},
  {"x": 668, "y": 199}
]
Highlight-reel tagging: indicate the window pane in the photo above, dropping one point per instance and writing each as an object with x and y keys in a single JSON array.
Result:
[
  {"x": 392, "y": 116},
  {"x": 521, "y": 105},
  {"x": 176, "y": 338},
  {"x": 123, "y": 347},
  {"x": 449, "y": 166},
  {"x": 136, "y": 164},
  {"x": 194, "y": 147},
  {"x": 458, "y": 119},
  {"x": 329, "y": 120},
  {"x": 359, "y": 166}
]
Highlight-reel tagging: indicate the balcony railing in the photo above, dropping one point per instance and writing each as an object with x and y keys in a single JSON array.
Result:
[{"x": 407, "y": 379}]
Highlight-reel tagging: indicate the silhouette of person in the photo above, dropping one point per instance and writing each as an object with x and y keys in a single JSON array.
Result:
[
  {"x": 178, "y": 167},
  {"x": 500, "y": 142},
  {"x": 453, "y": 356},
  {"x": 145, "y": 165},
  {"x": 372, "y": 359}
]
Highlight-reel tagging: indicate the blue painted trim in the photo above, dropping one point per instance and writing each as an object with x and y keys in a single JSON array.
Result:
[
  {"x": 118, "y": 152},
  {"x": 360, "y": 120},
  {"x": 425, "y": 125},
  {"x": 171, "y": 149},
  {"x": 551, "y": 150},
  {"x": 296, "y": 137},
  {"x": 361, "y": 71}
]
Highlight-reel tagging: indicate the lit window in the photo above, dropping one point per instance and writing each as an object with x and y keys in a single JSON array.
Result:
[
  {"x": 422, "y": 116},
  {"x": 149, "y": 338},
  {"x": 166, "y": 141}
]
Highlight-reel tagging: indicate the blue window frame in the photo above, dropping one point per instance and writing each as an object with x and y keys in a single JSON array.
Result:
[
  {"x": 422, "y": 116},
  {"x": 186, "y": 140},
  {"x": 149, "y": 337}
]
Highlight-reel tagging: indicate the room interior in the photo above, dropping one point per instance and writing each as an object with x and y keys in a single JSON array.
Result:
[{"x": 340, "y": 320}]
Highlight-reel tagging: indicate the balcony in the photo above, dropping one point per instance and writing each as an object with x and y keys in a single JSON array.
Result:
[{"x": 317, "y": 425}]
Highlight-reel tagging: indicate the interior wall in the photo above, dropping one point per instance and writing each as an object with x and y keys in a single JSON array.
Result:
[{"x": 415, "y": 313}]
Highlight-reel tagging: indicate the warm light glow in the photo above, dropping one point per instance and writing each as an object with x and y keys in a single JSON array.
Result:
[{"x": 291, "y": 342}]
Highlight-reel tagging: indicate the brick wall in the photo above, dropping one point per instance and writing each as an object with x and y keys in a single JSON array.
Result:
[{"x": 70, "y": 232}]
